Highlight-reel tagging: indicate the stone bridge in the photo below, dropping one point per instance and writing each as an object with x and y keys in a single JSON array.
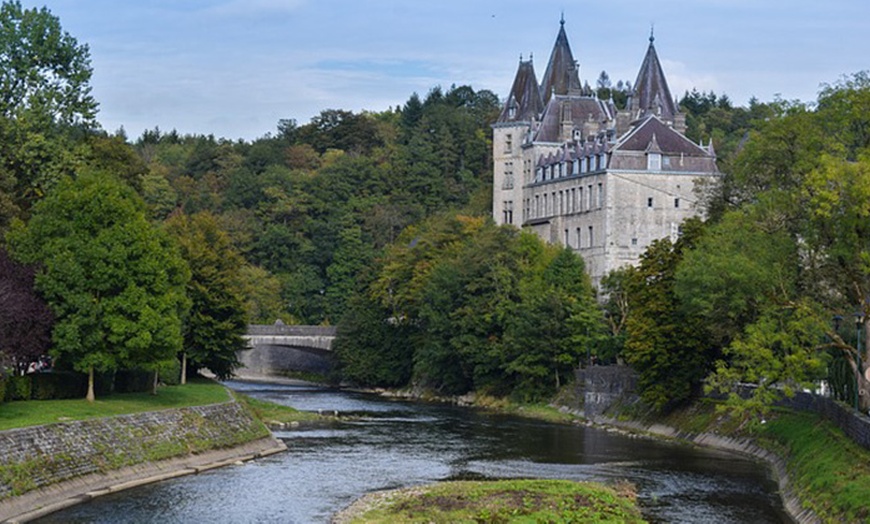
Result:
[{"x": 277, "y": 349}]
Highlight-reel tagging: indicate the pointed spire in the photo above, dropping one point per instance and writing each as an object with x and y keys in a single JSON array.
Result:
[
  {"x": 524, "y": 102},
  {"x": 561, "y": 75},
  {"x": 651, "y": 94}
]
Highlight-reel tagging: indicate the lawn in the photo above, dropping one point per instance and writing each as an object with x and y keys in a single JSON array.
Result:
[{"x": 198, "y": 392}]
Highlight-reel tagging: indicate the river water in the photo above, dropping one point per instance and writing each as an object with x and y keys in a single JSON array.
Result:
[{"x": 386, "y": 444}]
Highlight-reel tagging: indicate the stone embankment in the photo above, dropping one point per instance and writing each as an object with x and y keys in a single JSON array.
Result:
[{"x": 47, "y": 468}]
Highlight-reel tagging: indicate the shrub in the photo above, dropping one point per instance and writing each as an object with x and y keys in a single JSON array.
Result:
[
  {"x": 19, "y": 387},
  {"x": 133, "y": 381},
  {"x": 58, "y": 385}
]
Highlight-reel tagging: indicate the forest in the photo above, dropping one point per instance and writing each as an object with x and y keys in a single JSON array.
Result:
[{"x": 155, "y": 252}]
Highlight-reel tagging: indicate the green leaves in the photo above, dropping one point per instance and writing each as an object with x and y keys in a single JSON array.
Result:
[
  {"x": 475, "y": 307},
  {"x": 113, "y": 281}
]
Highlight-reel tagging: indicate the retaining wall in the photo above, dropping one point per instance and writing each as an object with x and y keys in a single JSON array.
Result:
[{"x": 39, "y": 456}]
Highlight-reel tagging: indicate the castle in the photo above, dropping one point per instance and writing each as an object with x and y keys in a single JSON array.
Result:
[{"x": 580, "y": 172}]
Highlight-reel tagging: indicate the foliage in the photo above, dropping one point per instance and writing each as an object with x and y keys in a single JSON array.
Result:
[
  {"x": 25, "y": 320},
  {"x": 113, "y": 281},
  {"x": 666, "y": 344},
  {"x": 45, "y": 101},
  {"x": 215, "y": 323},
  {"x": 471, "y": 306},
  {"x": 45, "y": 71}
]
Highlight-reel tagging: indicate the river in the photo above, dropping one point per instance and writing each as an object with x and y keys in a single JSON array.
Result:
[{"x": 385, "y": 444}]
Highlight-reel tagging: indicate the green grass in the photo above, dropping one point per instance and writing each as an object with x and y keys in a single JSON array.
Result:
[
  {"x": 21, "y": 414},
  {"x": 269, "y": 412},
  {"x": 829, "y": 471},
  {"x": 531, "y": 501}
]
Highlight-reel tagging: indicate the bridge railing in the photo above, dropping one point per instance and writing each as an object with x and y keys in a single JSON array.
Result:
[{"x": 265, "y": 330}]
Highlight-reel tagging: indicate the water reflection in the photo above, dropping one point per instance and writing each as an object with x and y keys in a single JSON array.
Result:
[{"x": 388, "y": 444}]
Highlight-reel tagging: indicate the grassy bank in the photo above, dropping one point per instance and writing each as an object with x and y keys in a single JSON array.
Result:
[
  {"x": 828, "y": 471},
  {"x": 21, "y": 414},
  {"x": 555, "y": 501},
  {"x": 270, "y": 413}
]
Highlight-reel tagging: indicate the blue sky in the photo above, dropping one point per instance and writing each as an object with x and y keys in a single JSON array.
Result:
[{"x": 233, "y": 68}]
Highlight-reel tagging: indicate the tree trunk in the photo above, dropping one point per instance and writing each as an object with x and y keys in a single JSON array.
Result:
[
  {"x": 183, "y": 368},
  {"x": 154, "y": 385},
  {"x": 90, "y": 397}
]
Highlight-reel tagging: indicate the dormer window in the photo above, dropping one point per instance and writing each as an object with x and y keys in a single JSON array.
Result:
[{"x": 654, "y": 161}]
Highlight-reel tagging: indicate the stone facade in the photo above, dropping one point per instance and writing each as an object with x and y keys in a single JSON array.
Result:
[{"x": 581, "y": 173}]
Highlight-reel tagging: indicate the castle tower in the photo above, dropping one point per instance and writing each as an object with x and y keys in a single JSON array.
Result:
[
  {"x": 513, "y": 129},
  {"x": 651, "y": 94}
]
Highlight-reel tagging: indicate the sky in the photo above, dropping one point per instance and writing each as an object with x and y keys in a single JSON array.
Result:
[{"x": 234, "y": 68}]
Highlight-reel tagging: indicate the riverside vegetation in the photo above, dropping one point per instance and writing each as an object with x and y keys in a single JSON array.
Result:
[
  {"x": 153, "y": 253},
  {"x": 556, "y": 501}
]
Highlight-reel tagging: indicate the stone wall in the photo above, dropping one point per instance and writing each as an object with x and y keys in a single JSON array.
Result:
[
  {"x": 604, "y": 387},
  {"x": 34, "y": 457}
]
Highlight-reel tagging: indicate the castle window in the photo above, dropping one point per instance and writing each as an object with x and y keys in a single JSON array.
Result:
[
  {"x": 537, "y": 206},
  {"x": 579, "y": 200},
  {"x": 654, "y": 162},
  {"x": 546, "y": 206},
  {"x": 539, "y": 175},
  {"x": 676, "y": 202},
  {"x": 508, "y": 143},
  {"x": 600, "y": 196},
  {"x": 578, "y": 238},
  {"x": 589, "y": 197},
  {"x": 633, "y": 241},
  {"x": 649, "y": 202},
  {"x": 567, "y": 240},
  {"x": 590, "y": 236}
]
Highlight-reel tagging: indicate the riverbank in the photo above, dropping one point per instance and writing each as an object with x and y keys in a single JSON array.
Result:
[
  {"x": 46, "y": 468},
  {"x": 798, "y": 494}
]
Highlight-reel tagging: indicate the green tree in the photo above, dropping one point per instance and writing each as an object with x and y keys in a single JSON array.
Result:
[
  {"x": 113, "y": 281},
  {"x": 214, "y": 326},
  {"x": 666, "y": 344},
  {"x": 44, "y": 72}
]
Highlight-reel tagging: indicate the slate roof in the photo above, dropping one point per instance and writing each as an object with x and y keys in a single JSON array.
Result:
[
  {"x": 651, "y": 95},
  {"x": 583, "y": 109},
  {"x": 525, "y": 96},
  {"x": 652, "y": 133},
  {"x": 562, "y": 75}
]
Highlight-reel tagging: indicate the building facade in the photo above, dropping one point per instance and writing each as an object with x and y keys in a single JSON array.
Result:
[{"x": 580, "y": 172}]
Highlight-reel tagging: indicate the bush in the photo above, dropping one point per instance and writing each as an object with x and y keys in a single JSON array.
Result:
[
  {"x": 170, "y": 373},
  {"x": 133, "y": 381},
  {"x": 3, "y": 388},
  {"x": 19, "y": 387},
  {"x": 58, "y": 385}
]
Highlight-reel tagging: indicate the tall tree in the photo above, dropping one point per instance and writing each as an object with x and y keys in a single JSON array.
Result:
[
  {"x": 45, "y": 99},
  {"x": 113, "y": 281},
  {"x": 214, "y": 326},
  {"x": 666, "y": 344}
]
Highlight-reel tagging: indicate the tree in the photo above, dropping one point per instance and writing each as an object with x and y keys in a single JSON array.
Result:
[
  {"x": 214, "y": 326},
  {"x": 44, "y": 100},
  {"x": 666, "y": 344},
  {"x": 44, "y": 72},
  {"x": 113, "y": 281},
  {"x": 25, "y": 320}
]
